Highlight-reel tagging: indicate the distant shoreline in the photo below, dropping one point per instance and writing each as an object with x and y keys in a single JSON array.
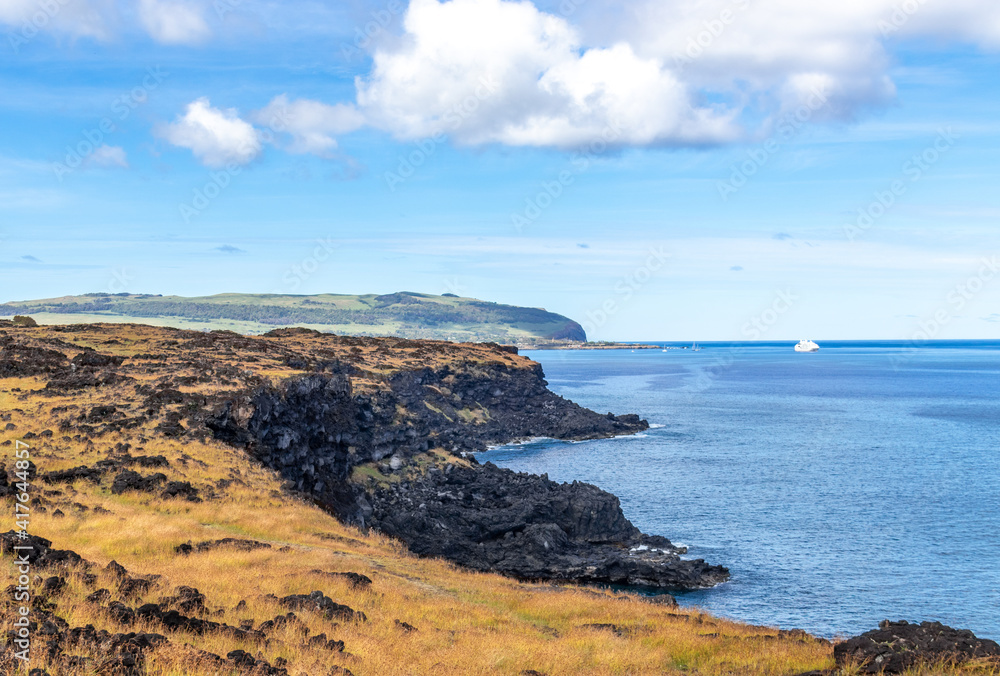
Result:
[{"x": 716, "y": 345}]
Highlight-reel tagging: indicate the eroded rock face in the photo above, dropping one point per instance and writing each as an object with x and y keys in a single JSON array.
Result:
[
  {"x": 897, "y": 646},
  {"x": 529, "y": 527},
  {"x": 315, "y": 430}
]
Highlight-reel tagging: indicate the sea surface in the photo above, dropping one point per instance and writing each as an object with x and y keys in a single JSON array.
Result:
[{"x": 840, "y": 488}]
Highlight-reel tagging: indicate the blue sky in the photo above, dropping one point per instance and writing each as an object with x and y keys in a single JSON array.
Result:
[{"x": 580, "y": 161}]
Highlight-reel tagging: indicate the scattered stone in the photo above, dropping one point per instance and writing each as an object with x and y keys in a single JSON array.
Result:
[
  {"x": 184, "y": 489},
  {"x": 249, "y": 665},
  {"x": 148, "y": 461},
  {"x": 130, "y": 480},
  {"x": 356, "y": 579},
  {"x": 662, "y": 599},
  {"x": 116, "y": 570},
  {"x": 405, "y": 626},
  {"x": 132, "y": 588},
  {"x": 175, "y": 621},
  {"x": 187, "y": 600},
  {"x": 121, "y": 613},
  {"x": 898, "y": 646},
  {"x": 90, "y": 357},
  {"x": 282, "y": 621},
  {"x": 322, "y": 604},
  {"x": 101, "y": 413},
  {"x": 41, "y": 552},
  {"x": 53, "y": 586},
  {"x": 321, "y": 641},
  {"x": 99, "y": 597},
  {"x": 230, "y": 543}
]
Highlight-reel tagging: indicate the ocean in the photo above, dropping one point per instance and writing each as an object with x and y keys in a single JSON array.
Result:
[{"x": 840, "y": 488}]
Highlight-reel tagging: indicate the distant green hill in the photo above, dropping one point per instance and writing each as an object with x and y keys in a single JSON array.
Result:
[{"x": 404, "y": 314}]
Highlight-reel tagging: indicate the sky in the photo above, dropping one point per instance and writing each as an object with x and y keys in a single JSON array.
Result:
[{"x": 655, "y": 169}]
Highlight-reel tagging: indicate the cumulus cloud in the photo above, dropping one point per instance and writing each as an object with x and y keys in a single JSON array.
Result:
[
  {"x": 229, "y": 249},
  {"x": 312, "y": 126},
  {"x": 216, "y": 137},
  {"x": 488, "y": 71},
  {"x": 650, "y": 72},
  {"x": 174, "y": 21},
  {"x": 108, "y": 156}
]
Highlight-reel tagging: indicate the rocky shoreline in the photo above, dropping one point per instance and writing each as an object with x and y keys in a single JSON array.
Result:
[
  {"x": 529, "y": 527},
  {"x": 423, "y": 488}
]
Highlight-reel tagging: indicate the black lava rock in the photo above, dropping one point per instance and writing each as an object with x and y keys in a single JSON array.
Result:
[{"x": 897, "y": 646}]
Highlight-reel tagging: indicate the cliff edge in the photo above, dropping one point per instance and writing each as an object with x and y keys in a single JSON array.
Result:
[{"x": 377, "y": 431}]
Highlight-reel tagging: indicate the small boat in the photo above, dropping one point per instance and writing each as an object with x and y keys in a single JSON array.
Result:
[
  {"x": 695, "y": 348},
  {"x": 806, "y": 346}
]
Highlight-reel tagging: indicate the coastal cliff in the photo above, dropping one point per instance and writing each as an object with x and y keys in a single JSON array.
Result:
[
  {"x": 379, "y": 432},
  {"x": 397, "y": 459}
]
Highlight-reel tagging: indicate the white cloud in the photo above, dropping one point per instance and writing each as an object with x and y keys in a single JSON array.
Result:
[
  {"x": 663, "y": 72},
  {"x": 311, "y": 125},
  {"x": 494, "y": 71},
  {"x": 216, "y": 137},
  {"x": 108, "y": 156},
  {"x": 174, "y": 21}
]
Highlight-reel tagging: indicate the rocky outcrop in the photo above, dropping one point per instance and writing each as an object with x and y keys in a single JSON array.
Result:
[
  {"x": 316, "y": 430},
  {"x": 896, "y": 647},
  {"x": 529, "y": 527}
]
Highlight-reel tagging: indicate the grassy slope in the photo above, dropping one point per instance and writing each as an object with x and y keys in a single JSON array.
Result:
[
  {"x": 468, "y": 623},
  {"x": 527, "y": 324}
]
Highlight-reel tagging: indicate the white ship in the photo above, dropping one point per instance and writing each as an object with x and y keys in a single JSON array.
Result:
[{"x": 806, "y": 346}]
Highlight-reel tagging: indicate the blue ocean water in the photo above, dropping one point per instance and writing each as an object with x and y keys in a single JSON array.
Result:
[{"x": 840, "y": 488}]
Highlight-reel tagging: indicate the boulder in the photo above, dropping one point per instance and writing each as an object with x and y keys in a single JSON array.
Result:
[{"x": 896, "y": 647}]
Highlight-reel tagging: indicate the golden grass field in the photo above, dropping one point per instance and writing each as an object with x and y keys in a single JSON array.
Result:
[{"x": 466, "y": 623}]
